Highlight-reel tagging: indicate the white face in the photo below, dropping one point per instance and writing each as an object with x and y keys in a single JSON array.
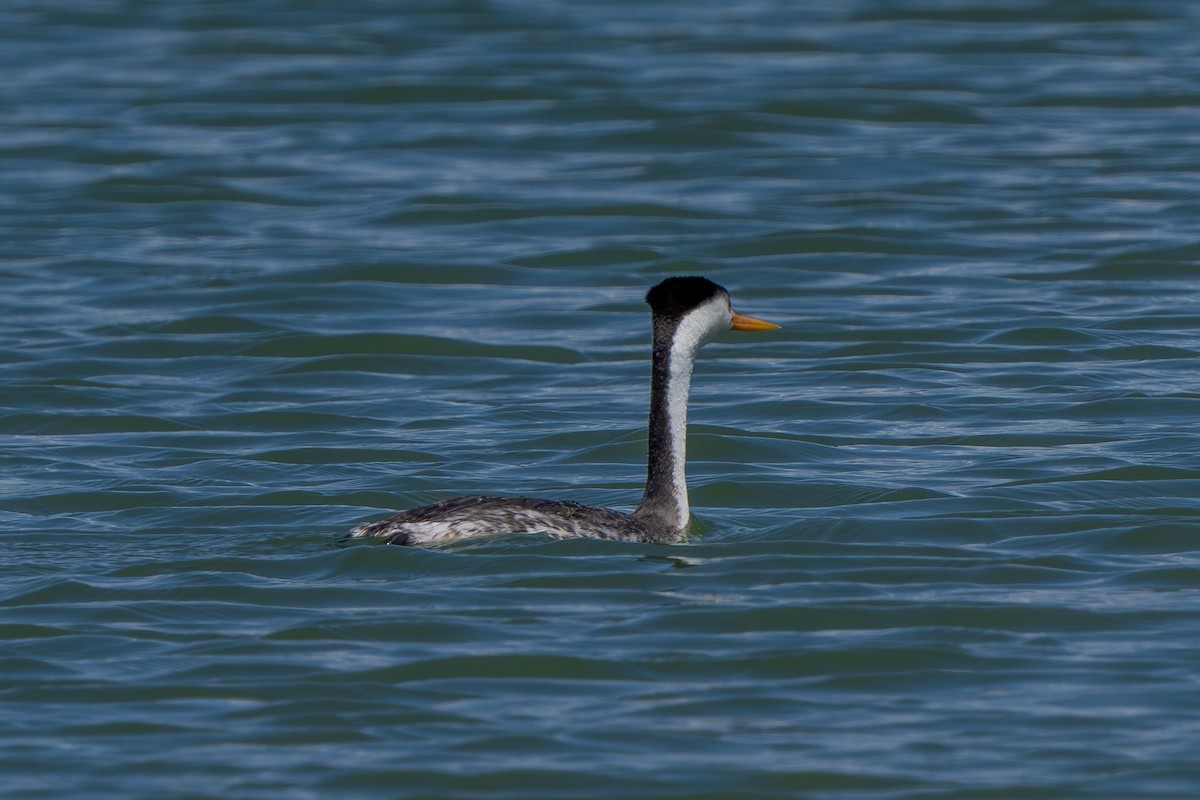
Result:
[{"x": 701, "y": 325}]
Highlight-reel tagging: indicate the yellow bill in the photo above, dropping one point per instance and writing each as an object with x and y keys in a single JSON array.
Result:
[{"x": 743, "y": 323}]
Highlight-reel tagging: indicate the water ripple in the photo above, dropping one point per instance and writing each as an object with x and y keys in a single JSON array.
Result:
[{"x": 274, "y": 268}]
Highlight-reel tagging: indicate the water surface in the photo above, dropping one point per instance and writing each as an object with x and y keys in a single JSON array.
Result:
[{"x": 272, "y": 269}]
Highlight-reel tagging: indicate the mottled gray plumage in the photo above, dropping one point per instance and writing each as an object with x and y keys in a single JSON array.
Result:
[{"x": 475, "y": 516}]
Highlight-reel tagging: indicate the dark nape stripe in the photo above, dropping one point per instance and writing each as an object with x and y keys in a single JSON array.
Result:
[{"x": 658, "y": 502}]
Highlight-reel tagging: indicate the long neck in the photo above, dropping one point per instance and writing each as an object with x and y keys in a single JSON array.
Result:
[{"x": 665, "y": 503}]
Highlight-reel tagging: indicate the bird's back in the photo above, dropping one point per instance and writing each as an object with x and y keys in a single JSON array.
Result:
[{"x": 485, "y": 516}]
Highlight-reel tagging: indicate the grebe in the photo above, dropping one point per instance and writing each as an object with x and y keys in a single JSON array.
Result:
[{"x": 686, "y": 313}]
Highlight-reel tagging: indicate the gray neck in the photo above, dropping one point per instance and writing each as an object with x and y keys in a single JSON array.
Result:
[{"x": 665, "y": 503}]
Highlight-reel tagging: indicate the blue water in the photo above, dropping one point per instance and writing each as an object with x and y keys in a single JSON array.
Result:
[{"x": 272, "y": 269}]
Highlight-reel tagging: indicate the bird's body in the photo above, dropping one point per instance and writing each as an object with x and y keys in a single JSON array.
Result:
[
  {"x": 687, "y": 313},
  {"x": 480, "y": 516}
]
